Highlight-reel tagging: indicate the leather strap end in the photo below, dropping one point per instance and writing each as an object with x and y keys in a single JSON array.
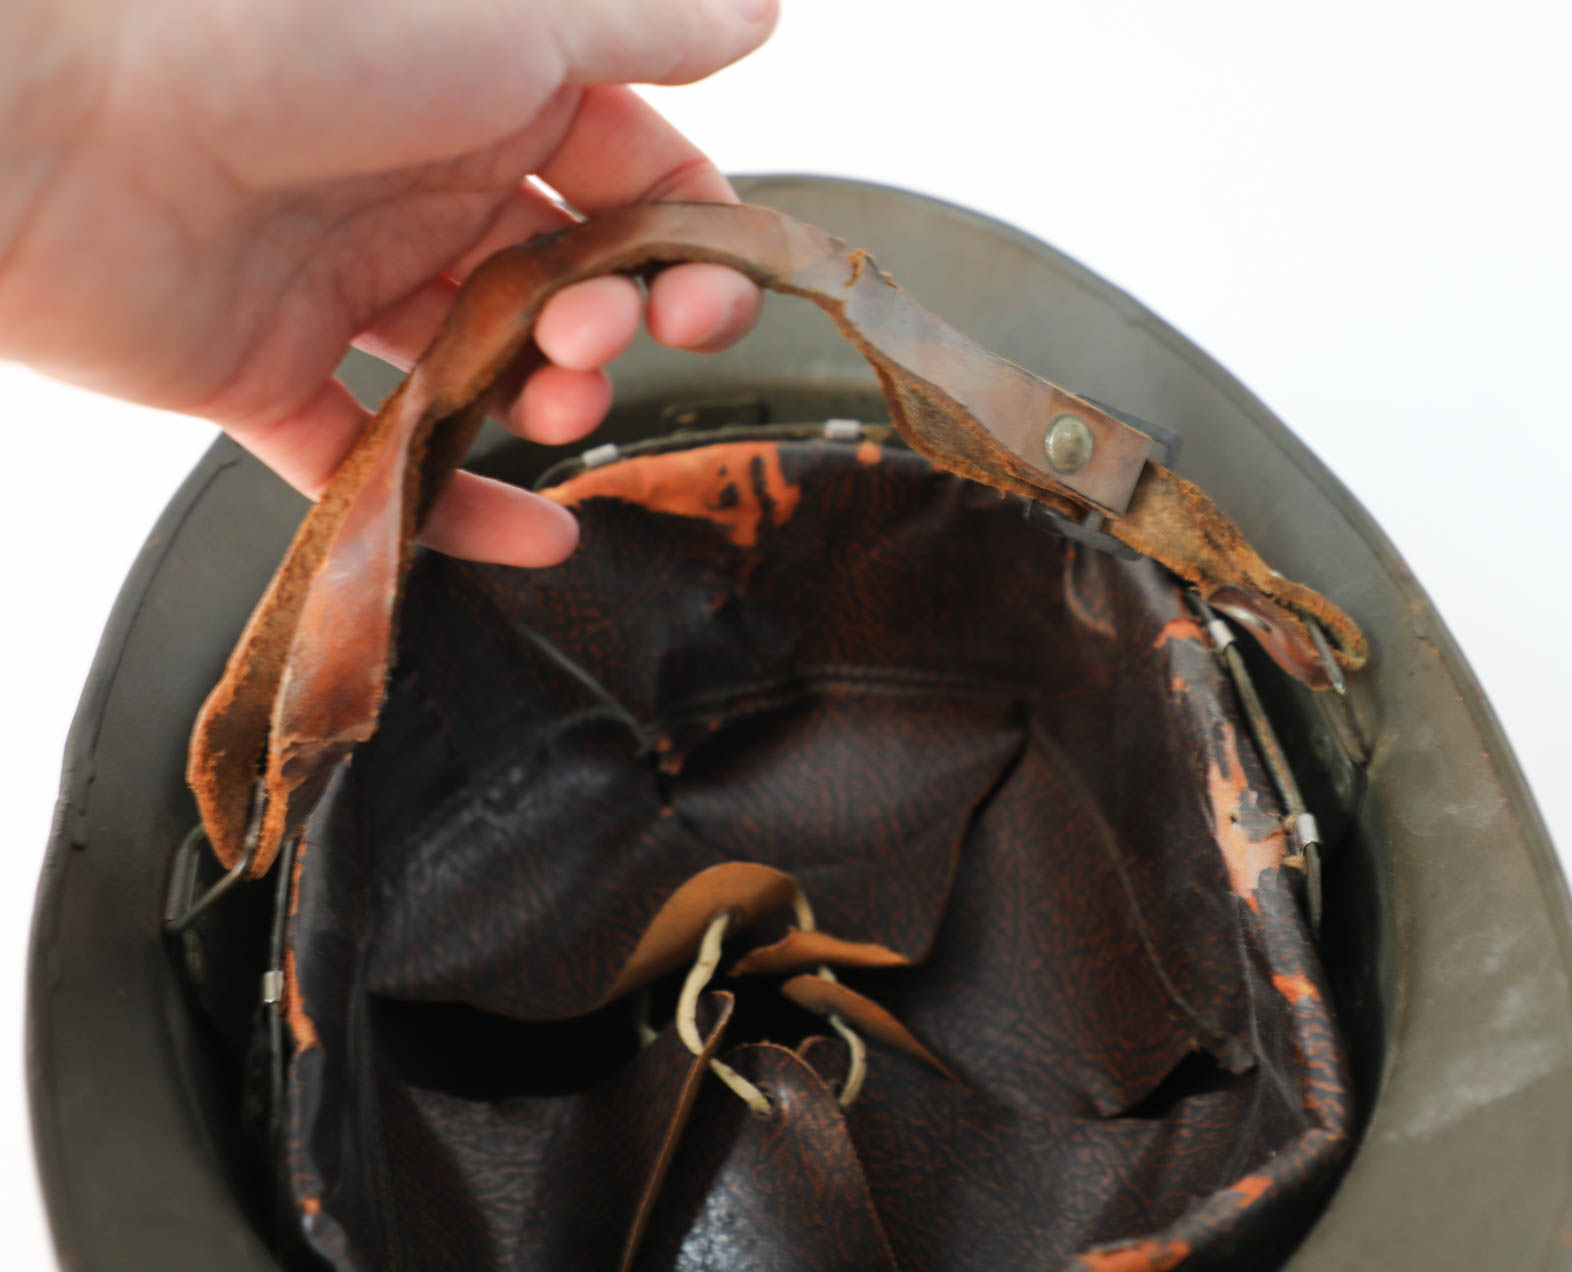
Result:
[{"x": 1173, "y": 521}]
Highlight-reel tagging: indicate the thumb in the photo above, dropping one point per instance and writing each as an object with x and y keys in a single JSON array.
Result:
[
  {"x": 338, "y": 89},
  {"x": 655, "y": 41}
]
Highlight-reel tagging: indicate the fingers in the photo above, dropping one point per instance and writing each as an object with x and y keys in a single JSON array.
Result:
[
  {"x": 485, "y": 520},
  {"x": 478, "y": 518},
  {"x": 702, "y": 307},
  {"x": 656, "y": 41},
  {"x": 583, "y": 328},
  {"x": 306, "y": 446},
  {"x": 401, "y": 334},
  {"x": 587, "y": 325},
  {"x": 616, "y": 150},
  {"x": 452, "y": 76},
  {"x": 527, "y": 212},
  {"x": 619, "y": 150},
  {"x": 696, "y": 306},
  {"x": 558, "y": 406},
  {"x": 476, "y": 80}
]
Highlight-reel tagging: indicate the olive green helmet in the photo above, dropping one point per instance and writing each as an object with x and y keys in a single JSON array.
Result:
[{"x": 1444, "y": 918}]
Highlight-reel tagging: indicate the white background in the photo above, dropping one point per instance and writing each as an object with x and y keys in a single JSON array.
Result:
[{"x": 1364, "y": 210}]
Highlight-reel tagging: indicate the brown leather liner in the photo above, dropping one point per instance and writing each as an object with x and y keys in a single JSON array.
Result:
[
  {"x": 1095, "y": 931},
  {"x": 305, "y": 682},
  {"x": 785, "y": 1192}
]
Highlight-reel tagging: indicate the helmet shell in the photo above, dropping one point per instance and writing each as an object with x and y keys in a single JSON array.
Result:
[{"x": 1447, "y": 920}]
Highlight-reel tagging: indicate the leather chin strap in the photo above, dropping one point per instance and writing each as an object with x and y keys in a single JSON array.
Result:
[{"x": 305, "y": 682}]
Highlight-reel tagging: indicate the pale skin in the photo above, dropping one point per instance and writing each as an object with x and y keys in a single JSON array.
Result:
[{"x": 205, "y": 203}]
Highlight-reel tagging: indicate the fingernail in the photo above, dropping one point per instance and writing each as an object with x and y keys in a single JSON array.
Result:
[{"x": 752, "y": 10}]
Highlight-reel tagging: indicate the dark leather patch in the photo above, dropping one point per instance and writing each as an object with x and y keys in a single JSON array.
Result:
[
  {"x": 1010, "y": 763},
  {"x": 784, "y": 1193}
]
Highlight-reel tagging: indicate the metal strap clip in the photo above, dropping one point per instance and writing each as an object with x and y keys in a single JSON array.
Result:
[
  {"x": 1299, "y": 823},
  {"x": 180, "y": 909}
]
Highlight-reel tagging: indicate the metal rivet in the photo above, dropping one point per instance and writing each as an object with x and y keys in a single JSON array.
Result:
[{"x": 1068, "y": 444}]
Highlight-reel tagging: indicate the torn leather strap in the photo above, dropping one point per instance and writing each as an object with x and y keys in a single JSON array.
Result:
[{"x": 305, "y": 682}]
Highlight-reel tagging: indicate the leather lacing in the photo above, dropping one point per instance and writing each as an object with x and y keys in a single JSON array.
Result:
[{"x": 700, "y": 975}]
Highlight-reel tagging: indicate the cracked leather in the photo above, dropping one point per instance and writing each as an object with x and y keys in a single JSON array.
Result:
[{"x": 307, "y": 678}]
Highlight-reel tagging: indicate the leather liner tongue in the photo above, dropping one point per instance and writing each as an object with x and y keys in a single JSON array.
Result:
[{"x": 741, "y": 1187}]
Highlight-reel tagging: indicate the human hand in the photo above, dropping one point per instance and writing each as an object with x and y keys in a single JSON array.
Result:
[{"x": 209, "y": 201}]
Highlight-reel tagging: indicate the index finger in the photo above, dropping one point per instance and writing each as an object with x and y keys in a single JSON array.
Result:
[{"x": 617, "y": 150}]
